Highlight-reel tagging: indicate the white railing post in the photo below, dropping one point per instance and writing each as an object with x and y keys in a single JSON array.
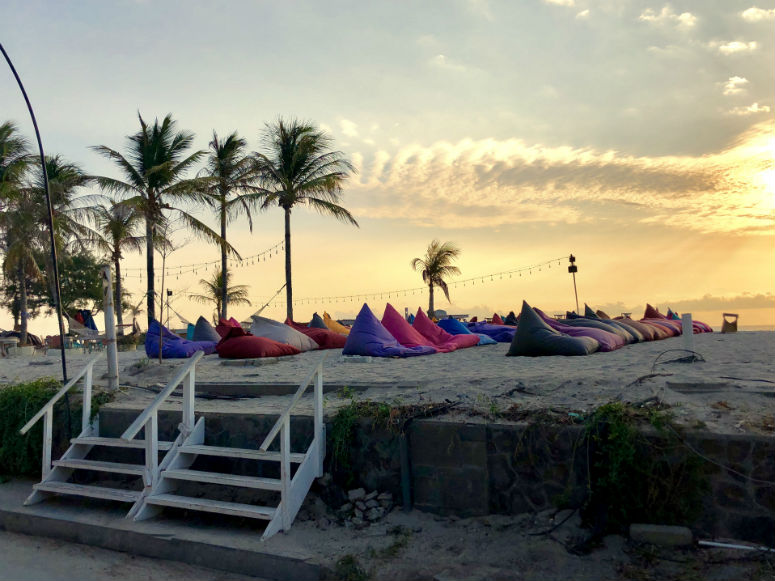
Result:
[
  {"x": 151, "y": 449},
  {"x": 285, "y": 472},
  {"x": 320, "y": 435},
  {"x": 48, "y": 426},
  {"x": 188, "y": 401},
  {"x": 86, "y": 412}
]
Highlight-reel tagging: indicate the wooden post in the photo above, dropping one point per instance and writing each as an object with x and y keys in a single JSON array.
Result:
[
  {"x": 48, "y": 426},
  {"x": 285, "y": 472},
  {"x": 188, "y": 401},
  {"x": 687, "y": 330},
  {"x": 87, "y": 384},
  {"x": 110, "y": 327},
  {"x": 320, "y": 433},
  {"x": 151, "y": 449}
]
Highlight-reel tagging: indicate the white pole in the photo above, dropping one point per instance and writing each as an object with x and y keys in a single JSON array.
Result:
[
  {"x": 688, "y": 331},
  {"x": 110, "y": 327}
]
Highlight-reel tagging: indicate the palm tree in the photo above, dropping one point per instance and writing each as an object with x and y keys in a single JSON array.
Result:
[
  {"x": 233, "y": 177},
  {"x": 298, "y": 168},
  {"x": 118, "y": 225},
  {"x": 14, "y": 158},
  {"x": 213, "y": 293},
  {"x": 435, "y": 266},
  {"x": 153, "y": 171}
]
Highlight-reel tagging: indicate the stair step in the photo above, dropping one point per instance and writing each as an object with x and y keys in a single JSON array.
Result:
[
  {"x": 117, "y": 442},
  {"x": 225, "y": 479},
  {"x": 90, "y": 491},
  {"x": 243, "y": 453},
  {"x": 100, "y": 466},
  {"x": 217, "y": 506}
]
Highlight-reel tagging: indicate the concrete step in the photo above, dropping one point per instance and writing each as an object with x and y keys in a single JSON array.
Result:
[
  {"x": 89, "y": 491},
  {"x": 117, "y": 442},
  {"x": 217, "y": 506},
  {"x": 243, "y": 453},
  {"x": 224, "y": 479},
  {"x": 100, "y": 466}
]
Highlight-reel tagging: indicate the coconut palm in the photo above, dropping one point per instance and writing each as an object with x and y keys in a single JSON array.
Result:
[
  {"x": 153, "y": 170},
  {"x": 14, "y": 158},
  {"x": 297, "y": 167},
  {"x": 435, "y": 266},
  {"x": 118, "y": 226},
  {"x": 213, "y": 293},
  {"x": 233, "y": 180}
]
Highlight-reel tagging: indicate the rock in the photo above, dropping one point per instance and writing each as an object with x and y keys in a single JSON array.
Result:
[
  {"x": 386, "y": 504},
  {"x": 357, "y": 522},
  {"x": 346, "y": 507},
  {"x": 374, "y": 514},
  {"x": 323, "y": 523},
  {"x": 326, "y": 479},
  {"x": 669, "y": 536},
  {"x": 361, "y": 505},
  {"x": 385, "y": 496},
  {"x": 371, "y": 495},
  {"x": 356, "y": 494},
  {"x": 372, "y": 503},
  {"x": 358, "y": 513}
]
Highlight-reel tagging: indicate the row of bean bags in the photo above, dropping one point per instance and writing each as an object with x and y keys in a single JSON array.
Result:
[
  {"x": 269, "y": 329},
  {"x": 369, "y": 337},
  {"x": 455, "y": 327},
  {"x": 534, "y": 336},
  {"x": 236, "y": 343},
  {"x": 323, "y": 337},
  {"x": 172, "y": 346},
  {"x": 607, "y": 340}
]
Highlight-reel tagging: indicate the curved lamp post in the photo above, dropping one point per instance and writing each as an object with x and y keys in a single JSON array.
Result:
[{"x": 57, "y": 298}]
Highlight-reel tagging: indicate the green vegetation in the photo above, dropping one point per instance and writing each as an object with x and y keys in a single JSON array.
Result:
[
  {"x": 349, "y": 569},
  {"x": 213, "y": 292}
]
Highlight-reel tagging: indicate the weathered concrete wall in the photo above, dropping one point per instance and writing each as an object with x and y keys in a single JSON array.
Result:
[{"x": 472, "y": 469}]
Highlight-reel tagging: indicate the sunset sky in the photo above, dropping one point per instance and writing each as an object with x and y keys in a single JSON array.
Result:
[{"x": 638, "y": 136}]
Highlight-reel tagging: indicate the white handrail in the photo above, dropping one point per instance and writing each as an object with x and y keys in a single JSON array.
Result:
[
  {"x": 59, "y": 394},
  {"x": 141, "y": 420},
  {"x": 296, "y": 397}
]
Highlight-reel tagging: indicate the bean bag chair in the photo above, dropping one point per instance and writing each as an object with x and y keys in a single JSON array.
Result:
[
  {"x": 368, "y": 337},
  {"x": 190, "y": 332},
  {"x": 511, "y": 319},
  {"x": 410, "y": 319},
  {"x": 602, "y": 314},
  {"x": 607, "y": 341},
  {"x": 501, "y": 333},
  {"x": 648, "y": 332},
  {"x": 276, "y": 331},
  {"x": 634, "y": 335},
  {"x": 325, "y": 338},
  {"x": 438, "y": 337},
  {"x": 455, "y": 327},
  {"x": 496, "y": 319},
  {"x": 204, "y": 331},
  {"x": 474, "y": 320},
  {"x": 405, "y": 333},
  {"x": 172, "y": 346},
  {"x": 238, "y": 344},
  {"x": 535, "y": 337},
  {"x": 624, "y": 335},
  {"x": 224, "y": 325},
  {"x": 335, "y": 326},
  {"x": 317, "y": 322}
]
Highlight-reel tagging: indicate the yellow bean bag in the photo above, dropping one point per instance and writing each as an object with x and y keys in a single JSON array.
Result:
[{"x": 335, "y": 326}]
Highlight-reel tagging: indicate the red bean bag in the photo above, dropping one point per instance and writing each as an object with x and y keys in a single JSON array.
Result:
[
  {"x": 325, "y": 338},
  {"x": 496, "y": 319},
  {"x": 237, "y": 344},
  {"x": 438, "y": 337},
  {"x": 404, "y": 333}
]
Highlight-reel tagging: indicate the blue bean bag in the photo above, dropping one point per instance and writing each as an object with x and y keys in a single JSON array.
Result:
[
  {"x": 535, "y": 337},
  {"x": 204, "y": 331},
  {"x": 173, "y": 347},
  {"x": 501, "y": 333},
  {"x": 368, "y": 337},
  {"x": 317, "y": 322},
  {"x": 455, "y": 327}
]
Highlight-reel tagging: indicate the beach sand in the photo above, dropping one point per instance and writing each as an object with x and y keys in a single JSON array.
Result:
[{"x": 732, "y": 391}]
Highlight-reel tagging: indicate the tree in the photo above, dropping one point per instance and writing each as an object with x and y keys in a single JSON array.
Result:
[
  {"x": 153, "y": 171},
  {"x": 235, "y": 294},
  {"x": 296, "y": 167},
  {"x": 435, "y": 266},
  {"x": 14, "y": 158},
  {"x": 118, "y": 225},
  {"x": 233, "y": 177}
]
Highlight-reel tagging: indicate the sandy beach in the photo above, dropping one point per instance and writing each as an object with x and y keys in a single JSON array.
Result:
[{"x": 731, "y": 391}]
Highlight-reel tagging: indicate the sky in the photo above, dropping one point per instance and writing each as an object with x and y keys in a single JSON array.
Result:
[{"x": 636, "y": 135}]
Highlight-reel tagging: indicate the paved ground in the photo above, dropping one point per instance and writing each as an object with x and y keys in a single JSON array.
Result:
[{"x": 34, "y": 558}]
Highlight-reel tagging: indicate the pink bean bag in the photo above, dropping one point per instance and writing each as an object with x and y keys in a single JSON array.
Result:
[
  {"x": 438, "y": 337},
  {"x": 404, "y": 333}
]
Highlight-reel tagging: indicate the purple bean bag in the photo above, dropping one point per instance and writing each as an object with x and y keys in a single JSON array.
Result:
[
  {"x": 501, "y": 333},
  {"x": 173, "y": 347},
  {"x": 368, "y": 337},
  {"x": 608, "y": 341}
]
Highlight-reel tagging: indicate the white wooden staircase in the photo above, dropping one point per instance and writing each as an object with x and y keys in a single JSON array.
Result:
[{"x": 158, "y": 481}]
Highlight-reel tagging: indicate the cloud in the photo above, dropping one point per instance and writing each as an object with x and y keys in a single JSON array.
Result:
[
  {"x": 735, "y": 86},
  {"x": 735, "y": 46},
  {"x": 705, "y": 303},
  {"x": 561, "y": 2},
  {"x": 750, "y": 110},
  {"x": 583, "y": 15},
  {"x": 348, "y": 128},
  {"x": 668, "y": 16},
  {"x": 481, "y": 8},
  {"x": 441, "y": 61},
  {"x": 754, "y": 14},
  {"x": 488, "y": 183}
]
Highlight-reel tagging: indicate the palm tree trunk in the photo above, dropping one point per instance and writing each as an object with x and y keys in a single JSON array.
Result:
[
  {"x": 224, "y": 264},
  {"x": 430, "y": 300},
  {"x": 288, "y": 287},
  {"x": 22, "y": 306},
  {"x": 119, "y": 314},
  {"x": 151, "y": 298}
]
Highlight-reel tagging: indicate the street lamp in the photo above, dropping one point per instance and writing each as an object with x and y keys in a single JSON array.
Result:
[{"x": 573, "y": 269}]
